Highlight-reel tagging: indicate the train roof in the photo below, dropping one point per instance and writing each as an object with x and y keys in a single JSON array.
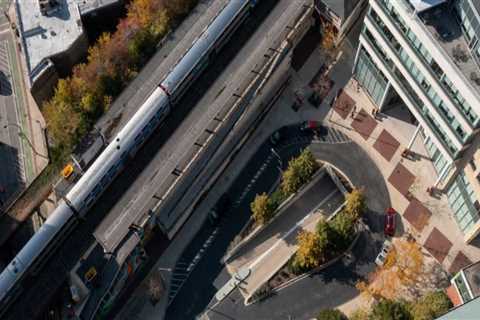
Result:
[{"x": 202, "y": 44}]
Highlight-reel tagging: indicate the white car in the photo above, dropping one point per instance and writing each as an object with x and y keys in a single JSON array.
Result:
[{"x": 382, "y": 256}]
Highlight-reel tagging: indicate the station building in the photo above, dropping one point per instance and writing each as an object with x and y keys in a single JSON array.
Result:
[{"x": 420, "y": 61}]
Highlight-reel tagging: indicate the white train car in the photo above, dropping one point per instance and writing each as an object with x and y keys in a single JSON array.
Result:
[{"x": 124, "y": 145}]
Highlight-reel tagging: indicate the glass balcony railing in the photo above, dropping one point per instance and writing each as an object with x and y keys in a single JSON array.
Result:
[
  {"x": 416, "y": 102},
  {"x": 395, "y": 47}
]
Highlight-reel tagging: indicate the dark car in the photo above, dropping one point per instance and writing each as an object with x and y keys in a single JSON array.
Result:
[
  {"x": 389, "y": 227},
  {"x": 314, "y": 126}
]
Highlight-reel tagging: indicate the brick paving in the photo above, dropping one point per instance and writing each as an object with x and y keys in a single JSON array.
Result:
[
  {"x": 460, "y": 261},
  {"x": 364, "y": 124},
  {"x": 402, "y": 179},
  {"x": 438, "y": 245},
  {"x": 344, "y": 105},
  {"x": 386, "y": 145},
  {"x": 417, "y": 214}
]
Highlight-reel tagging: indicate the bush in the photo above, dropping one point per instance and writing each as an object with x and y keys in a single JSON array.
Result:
[
  {"x": 355, "y": 203},
  {"x": 262, "y": 208},
  {"x": 431, "y": 306},
  {"x": 390, "y": 310},
  {"x": 359, "y": 314},
  {"x": 299, "y": 172},
  {"x": 311, "y": 250},
  {"x": 331, "y": 314},
  {"x": 343, "y": 229},
  {"x": 278, "y": 197}
]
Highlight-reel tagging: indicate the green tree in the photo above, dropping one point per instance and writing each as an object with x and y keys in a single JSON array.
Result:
[
  {"x": 431, "y": 306},
  {"x": 355, "y": 203},
  {"x": 299, "y": 172},
  {"x": 262, "y": 208},
  {"x": 359, "y": 314},
  {"x": 343, "y": 227},
  {"x": 307, "y": 165},
  {"x": 390, "y": 310},
  {"x": 331, "y": 314},
  {"x": 311, "y": 250},
  {"x": 291, "y": 180}
]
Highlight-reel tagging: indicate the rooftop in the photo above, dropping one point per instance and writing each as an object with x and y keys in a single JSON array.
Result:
[
  {"x": 44, "y": 36},
  {"x": 88, "y": 6},
  {"x": 342, "y": 8},
  {"x": 443, "y": 26}
]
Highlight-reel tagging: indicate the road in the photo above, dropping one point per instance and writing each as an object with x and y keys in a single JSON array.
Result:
[
  {"x": 199, "y": 285},
  {"x": 130, "y": 181},
  {"x": 329, "y": 288}
]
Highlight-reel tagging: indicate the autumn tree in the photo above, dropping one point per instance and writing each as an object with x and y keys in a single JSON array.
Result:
[
  {"x": 311, "y": 249},
  {"x": 328, "y": 42},
  {"x": 299, "y": 172},
  {"x": 355, "y": 203},
  {"x": 262, "y": 208},
  {"x": 402, "y": 268}
]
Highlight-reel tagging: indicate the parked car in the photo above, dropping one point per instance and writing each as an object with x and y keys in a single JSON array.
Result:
[
  {"x": 314, "y": 126},
  {"x": 389, "y": 222},
  {"x": 382, "y": 256}
]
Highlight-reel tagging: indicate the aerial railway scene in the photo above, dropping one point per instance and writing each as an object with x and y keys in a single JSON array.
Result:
[{"x": 239, "y": 159}]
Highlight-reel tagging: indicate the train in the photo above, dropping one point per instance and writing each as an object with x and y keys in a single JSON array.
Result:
[{"x": 124, "y": 145}]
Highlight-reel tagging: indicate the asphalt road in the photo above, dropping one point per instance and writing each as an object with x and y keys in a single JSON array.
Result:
[
  {"x": 43, "y": 286},
  {"x": 208, "y": 274},
  {"x": 329, "y": 288},
  {"x": 194, "y": 285}
]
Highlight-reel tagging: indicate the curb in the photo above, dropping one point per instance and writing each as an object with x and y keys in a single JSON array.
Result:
[
  {"x": 360, "y": 227},
  {"x": 233, "y": 252}
]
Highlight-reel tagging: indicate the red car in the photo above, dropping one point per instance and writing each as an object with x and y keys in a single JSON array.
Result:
[{"x": 389, "y": 227}]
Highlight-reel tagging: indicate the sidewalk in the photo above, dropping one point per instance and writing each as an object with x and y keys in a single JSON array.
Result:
[{"x": 429, "y": 219}]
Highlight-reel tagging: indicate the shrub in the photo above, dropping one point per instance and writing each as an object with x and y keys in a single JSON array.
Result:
[
  {"x": 343, "y": 229},
  {"x": 390, "y": 310},
  {"x": 262, "y": 208},
  {"x": 299, "y": 172},
  {"x": 311, "y": 250},
  {"x": 355, "y": 203},
  {"x": 331, "y": 314},
  {"x": 431, "y": 306}
]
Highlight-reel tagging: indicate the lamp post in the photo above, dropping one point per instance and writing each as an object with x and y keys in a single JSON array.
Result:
[{"x": 24, "y": 136}]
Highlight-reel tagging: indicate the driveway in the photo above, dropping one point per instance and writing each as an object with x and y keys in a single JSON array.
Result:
[{"x": 302, "y": 300}]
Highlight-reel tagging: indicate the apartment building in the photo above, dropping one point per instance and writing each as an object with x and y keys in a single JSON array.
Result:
[{"x": 423, "y": 56}]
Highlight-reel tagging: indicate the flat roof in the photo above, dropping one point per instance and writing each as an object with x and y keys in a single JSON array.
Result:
[
  {"x": 88, "y": 6},
  {"x": 444, "y": 27},
  {"x": 47, "y": 35},
  {"x": 466, "y": 311},
  {"x": 422, "y": 5}
]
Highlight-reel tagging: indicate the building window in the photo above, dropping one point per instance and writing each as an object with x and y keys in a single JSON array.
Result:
[
  {"x": 370, "y": 77},
  {"x": 462, "y": 200}
]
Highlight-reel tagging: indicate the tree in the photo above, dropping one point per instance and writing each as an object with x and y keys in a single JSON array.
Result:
[
  {"x": 299, "y": 172},
  {"x": 307, "y": 165},
  {"x": 390, "y": 310},
  {"x": 355, "y": 203},
  {"x": 155, "y": 287},
  {"x": 329, "y": 36},
  {"x": 291, "y": 180},
  {"x": 311, "y": 250},
  {"x": 402, "y": 269},
  {"x": 359, "y": 314},
  {"x": 431, "y": 306},
  {"x": 331, "y": 314},
  {"x": 343, "y": 227},
  {"x": 262, "y": 208}
]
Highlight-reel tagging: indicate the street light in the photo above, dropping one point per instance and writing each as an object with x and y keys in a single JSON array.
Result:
[{"x": 24, "y": 136}]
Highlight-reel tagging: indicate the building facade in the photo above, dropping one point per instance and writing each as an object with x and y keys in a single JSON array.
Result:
[{"x": 425, "y": 56}]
